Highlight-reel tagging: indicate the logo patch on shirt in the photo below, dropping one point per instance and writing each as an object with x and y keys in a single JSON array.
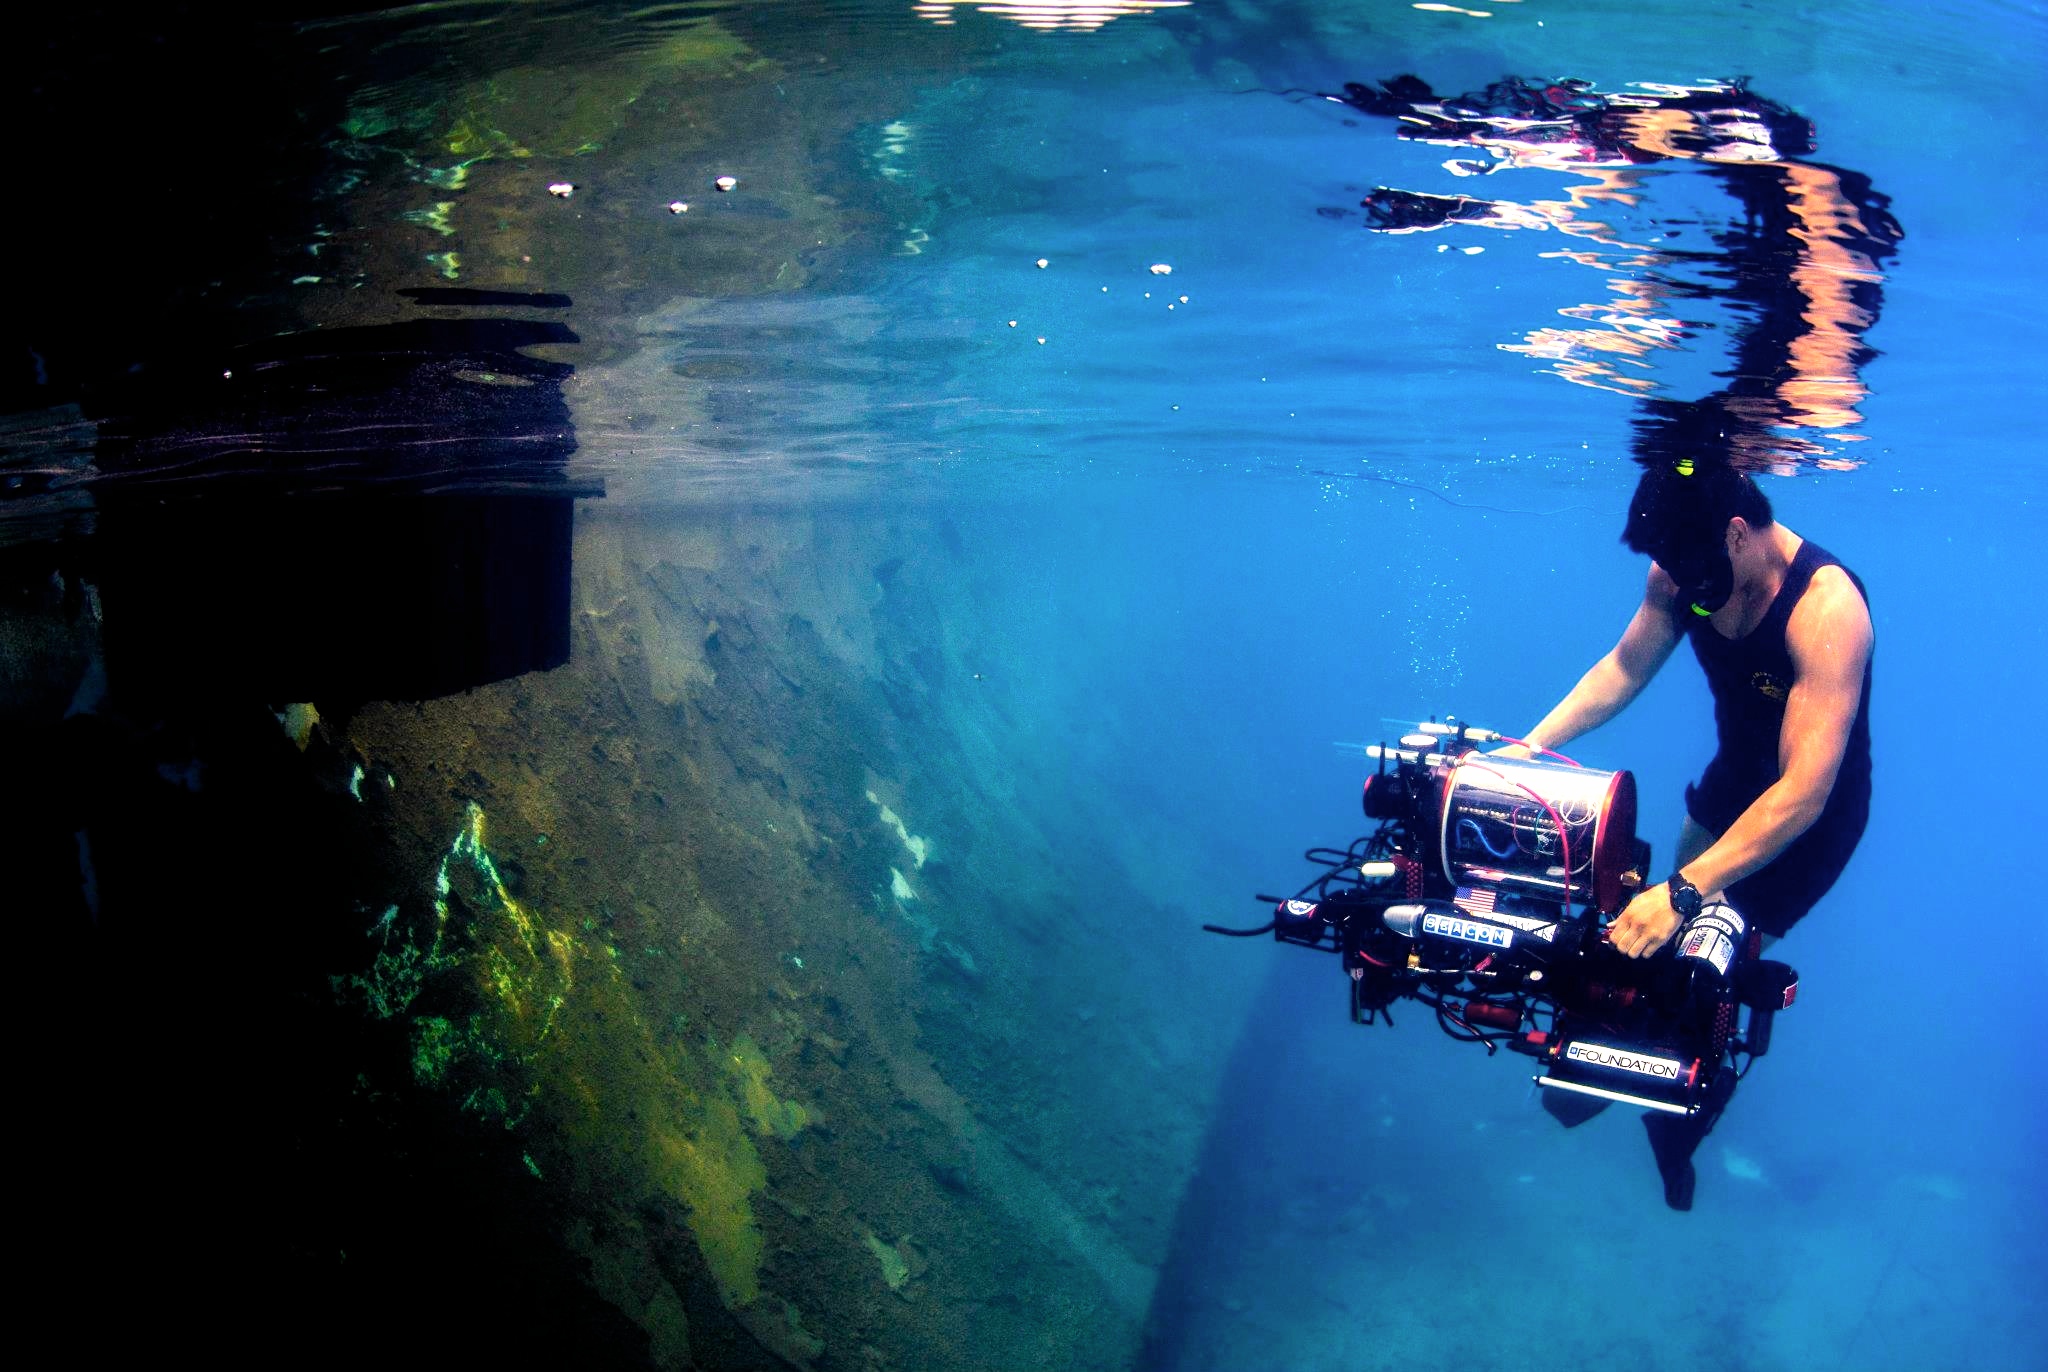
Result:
[{"x": 1769, "y": 685}]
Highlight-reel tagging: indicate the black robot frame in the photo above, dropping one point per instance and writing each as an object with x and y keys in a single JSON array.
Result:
[{"x": 1483, "y": 895}]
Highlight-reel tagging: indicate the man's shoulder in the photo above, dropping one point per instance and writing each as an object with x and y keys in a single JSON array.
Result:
[
  {"x": 1831, "y": 587},
  {"x": 1827, "y": 568},
  {"x": 1832, "y": 615}
]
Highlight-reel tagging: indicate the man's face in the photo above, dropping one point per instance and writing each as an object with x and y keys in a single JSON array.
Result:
[{"x": 1703, "y": 570}]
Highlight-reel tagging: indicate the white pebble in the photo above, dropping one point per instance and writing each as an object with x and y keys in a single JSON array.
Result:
[
  {"x": 677, "y": 207},
  {"x": 726, "y": 183},
  {"x": 562, "y": 190},
  {"x": 1161, "y": 269},
  {"x": 1043, "y": 263}
]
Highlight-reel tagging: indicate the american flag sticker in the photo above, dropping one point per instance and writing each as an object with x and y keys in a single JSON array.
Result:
[{"x": 1475, "y": 900}]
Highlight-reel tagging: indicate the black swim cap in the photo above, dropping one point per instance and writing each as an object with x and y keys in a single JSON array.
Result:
[{"x": 1682, "y": 507}]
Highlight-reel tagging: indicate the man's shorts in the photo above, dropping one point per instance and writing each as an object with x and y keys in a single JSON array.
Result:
[{"x": 1793, "y": 882}]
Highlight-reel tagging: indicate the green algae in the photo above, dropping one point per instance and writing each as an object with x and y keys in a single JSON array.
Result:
[
  {"x": 770, "y": 1114},
  {"x": 607, "y": 1105},
  {"x": 541, "y": 110},
  {"x": 398, "y": 971},
  {"x": 434, "y": 1048},
  {"x": 895, "y": 1267}
]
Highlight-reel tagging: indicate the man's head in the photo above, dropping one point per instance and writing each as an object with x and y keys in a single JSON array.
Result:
[{"x": 1692, "y": 517}]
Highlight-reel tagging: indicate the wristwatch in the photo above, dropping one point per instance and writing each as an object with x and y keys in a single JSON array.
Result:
[{"x": 1685, "y": 897}]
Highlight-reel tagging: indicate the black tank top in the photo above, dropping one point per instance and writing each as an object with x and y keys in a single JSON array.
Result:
[{"x": 1750, "y": 678}]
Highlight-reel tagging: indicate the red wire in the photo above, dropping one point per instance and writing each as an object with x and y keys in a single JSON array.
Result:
[{"x": 1564, "y": 837}]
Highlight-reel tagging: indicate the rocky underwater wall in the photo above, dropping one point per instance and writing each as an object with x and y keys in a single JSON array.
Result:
[
  {"x": 739, "y": 994},
  {"x": 755, "y": 928}
]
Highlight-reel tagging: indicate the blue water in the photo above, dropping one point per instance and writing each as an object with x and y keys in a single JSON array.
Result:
[
  {"x": 1174, "y": 537},
  {"x": 1210, "y": 589}
]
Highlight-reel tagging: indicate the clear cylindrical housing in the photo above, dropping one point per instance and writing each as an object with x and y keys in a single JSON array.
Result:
[{"x": 1512, "y": 823}]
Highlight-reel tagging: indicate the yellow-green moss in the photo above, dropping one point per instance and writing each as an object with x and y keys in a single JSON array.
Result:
[
  {"x": 434, "y": 1043},
  {"x": 563, "y": 1052},
  {"x": 545, "y": 111},
  {"x": 750, "y": 1071},
  {"x": 895, "y": 1267},
  {"x": 298, "y": 720}
]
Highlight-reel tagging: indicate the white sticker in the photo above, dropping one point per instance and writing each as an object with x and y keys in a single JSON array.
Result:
[
  {"x": 1623, "y": 1060},
  {"x": 1470, "y": 930},
  {"x": 1545, "y": 929},
  {"x": 1710, "y": 945}
]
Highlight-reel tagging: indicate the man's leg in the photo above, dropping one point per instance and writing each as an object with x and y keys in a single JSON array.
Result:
[
  {"x": 1569, "y": 1108},
  {"x": 1675, "y": 1138}
]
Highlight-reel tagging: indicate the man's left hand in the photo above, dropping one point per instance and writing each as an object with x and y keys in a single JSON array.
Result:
[{"x": 1647, "y": 924}]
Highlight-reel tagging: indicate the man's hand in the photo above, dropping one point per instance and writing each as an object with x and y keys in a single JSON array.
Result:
[{"x": 1647, "y": 924}]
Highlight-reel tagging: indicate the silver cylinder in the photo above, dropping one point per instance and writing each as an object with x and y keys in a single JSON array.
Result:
[{"x": 1713, "y": 936}]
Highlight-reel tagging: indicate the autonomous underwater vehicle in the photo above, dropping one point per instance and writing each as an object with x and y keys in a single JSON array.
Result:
[{"x": 1484, "y": 893}]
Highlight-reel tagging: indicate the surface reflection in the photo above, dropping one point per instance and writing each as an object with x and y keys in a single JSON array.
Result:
[
  {"x": 1795, "y": 256},
  {"x": 375, "y": 513},
  {"x": 1047, "y": 14}
]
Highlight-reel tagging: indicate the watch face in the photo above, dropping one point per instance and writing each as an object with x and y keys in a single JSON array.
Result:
[{"x": 1685, "y": 898}]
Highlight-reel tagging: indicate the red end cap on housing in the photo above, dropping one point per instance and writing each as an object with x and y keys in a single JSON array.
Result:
[{"x": 1614, "y": 841}]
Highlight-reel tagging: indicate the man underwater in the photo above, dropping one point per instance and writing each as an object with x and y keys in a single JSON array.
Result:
[{"x": 1783, "y": 632}]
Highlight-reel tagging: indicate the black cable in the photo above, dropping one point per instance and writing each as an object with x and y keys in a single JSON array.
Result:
[
  {"x": 1445, "y": 1019},
  {"x": 1265, "y": 928}
]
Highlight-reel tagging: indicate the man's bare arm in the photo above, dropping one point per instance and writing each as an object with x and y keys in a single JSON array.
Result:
[
  {"x": 1620, "y": 676},
  {"x": 1830, "y": 640}
]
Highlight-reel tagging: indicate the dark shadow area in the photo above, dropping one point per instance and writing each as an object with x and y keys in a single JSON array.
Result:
[
  {"x": 174, "y": 153},
  {"x": 229, "y": 1159},
  {"x": 344, "y": 515},
  {"x": 1284, "y": 1131}
]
